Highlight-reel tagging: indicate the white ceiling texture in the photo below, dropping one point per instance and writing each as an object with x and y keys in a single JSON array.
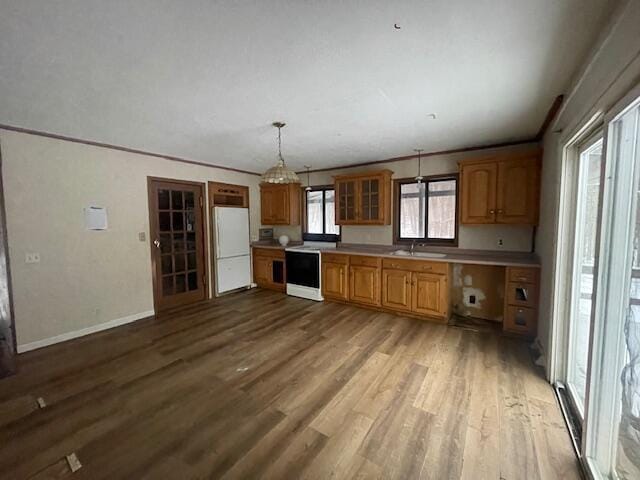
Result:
[{"x": 203, "y": 80}]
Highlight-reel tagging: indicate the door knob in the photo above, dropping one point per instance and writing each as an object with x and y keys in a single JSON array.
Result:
[{"x": 156, "y": 242}]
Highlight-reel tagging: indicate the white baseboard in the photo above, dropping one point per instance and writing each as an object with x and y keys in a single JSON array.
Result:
[{"x": 85, "y": 331}]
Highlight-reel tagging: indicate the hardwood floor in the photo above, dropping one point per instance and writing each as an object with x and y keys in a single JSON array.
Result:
[{"x": 261, "y": 385}]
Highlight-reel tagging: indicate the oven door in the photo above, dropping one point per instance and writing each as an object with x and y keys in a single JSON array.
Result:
[{"x": 303, "y": 269}]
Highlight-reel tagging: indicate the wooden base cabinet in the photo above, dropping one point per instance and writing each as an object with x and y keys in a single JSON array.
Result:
[
  {"x": 269, "y": 269},
  {"x": 335, "y": 279},
  {"x": 364, "y": 284},
  {"x": 430, "y": 295},
  {"x": 415, "y": 286},
  {"x": 396, "y": 289},
  {"x": 521, "y": 301}
]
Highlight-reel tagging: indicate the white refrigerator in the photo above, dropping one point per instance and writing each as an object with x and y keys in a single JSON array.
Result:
[{"x": 233, "y": 249}]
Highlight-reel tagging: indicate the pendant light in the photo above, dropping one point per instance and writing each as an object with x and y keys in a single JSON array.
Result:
[
  {"x": 308, "y": 189},
  {"x": 280, "y": 173},
  {"x": 419, "y": 178}
]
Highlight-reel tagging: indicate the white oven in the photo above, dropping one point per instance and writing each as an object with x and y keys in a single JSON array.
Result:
[{"x": 304, "y": 271}]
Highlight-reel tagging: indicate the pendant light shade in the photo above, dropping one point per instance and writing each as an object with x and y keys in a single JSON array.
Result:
[{"x": 280, "y": 173}]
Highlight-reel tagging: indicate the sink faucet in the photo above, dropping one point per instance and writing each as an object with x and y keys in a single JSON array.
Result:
[{"x": 413, "y": 247}]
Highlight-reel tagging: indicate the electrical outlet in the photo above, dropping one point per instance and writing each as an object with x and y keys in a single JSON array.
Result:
[
  {"x": 32, "y": 258},
  {"x": 500, "y": 242},
  {"x": 142, "y": 236}
]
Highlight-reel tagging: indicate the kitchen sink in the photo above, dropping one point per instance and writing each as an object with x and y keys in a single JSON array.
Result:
[{"x": 407, "y": 253}]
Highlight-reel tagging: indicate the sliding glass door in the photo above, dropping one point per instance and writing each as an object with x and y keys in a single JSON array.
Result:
[
  {"x": 621, "y": 301},
  {"x": 589, "y": 170},
  {"x": 600, "y": 339}
]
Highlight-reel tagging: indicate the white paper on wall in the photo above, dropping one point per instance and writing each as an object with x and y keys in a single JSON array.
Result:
[{"x": 95, "y": 218}]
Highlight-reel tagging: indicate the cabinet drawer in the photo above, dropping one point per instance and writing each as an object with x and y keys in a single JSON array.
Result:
[
  {"x": 523, "y": 275},
  {"x": 340, "y": 258},
  {"x": 523, "y": 294},
  {"x": 416, "y": 265},
  {"x": 520, "y": 320},
  {"x": 365, "y": 261},
  {"x": 268, "y": 252}
]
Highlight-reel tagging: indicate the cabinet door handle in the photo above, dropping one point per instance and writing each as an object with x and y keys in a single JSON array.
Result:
[
  {"x": 500, "y": 211},
  {"x": 492, "y": 211}
]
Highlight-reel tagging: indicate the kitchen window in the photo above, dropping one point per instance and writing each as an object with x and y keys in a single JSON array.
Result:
[
  {"x": 320, "y": 215},
  {"x": 427, "y": 212}
]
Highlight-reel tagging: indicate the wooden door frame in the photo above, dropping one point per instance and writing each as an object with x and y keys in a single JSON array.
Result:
[
  {"x": 5, "y": 241},
  {"x": 210, "y": 209},
  {"x": 205, "y": 223}
]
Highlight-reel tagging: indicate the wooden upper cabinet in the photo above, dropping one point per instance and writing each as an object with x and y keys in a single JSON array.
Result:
[
  {"x": 345, "y": 201},
  {"x": 369, "y": 199},
  {"x": 364, "y": 198},
  {"x": 500, "y": 190},
  {"x": 517, "y": 196},
  {"x": 280, "y": 204},
  {"x": 478, "y": 191}
]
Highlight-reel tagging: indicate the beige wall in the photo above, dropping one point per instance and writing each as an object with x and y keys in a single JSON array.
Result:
[
  {"x": 612, "y": 70},
  {"x": 84, "y": 278},
  {"x": 485, "y": 237}
]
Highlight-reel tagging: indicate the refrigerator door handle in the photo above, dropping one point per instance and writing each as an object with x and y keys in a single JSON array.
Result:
[{"x": 217, "y": 236}]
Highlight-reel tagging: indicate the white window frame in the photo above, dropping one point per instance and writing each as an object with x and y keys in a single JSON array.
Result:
[
  {"x": 602, "y": 420},
  {"x": 564, "y": 251}
]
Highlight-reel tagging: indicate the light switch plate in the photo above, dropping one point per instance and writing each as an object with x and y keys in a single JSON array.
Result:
[
  {"x": 142, "y": 236},
  {"x": 32, "y": 258}
]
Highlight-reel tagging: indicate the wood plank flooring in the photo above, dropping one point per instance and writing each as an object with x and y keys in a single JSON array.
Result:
[{"x": 261, "y": 385}]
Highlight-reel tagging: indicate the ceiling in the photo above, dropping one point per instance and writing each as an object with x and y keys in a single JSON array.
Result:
[{"x": 204, "y": 80}]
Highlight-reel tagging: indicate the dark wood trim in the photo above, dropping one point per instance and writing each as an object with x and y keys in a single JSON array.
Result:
[
  {"x": 211, "y": 188},
  {"x": 7, "y": 365},
  {"x": 152, "y": 227},
  {"x": 551, "y": 114},
  {"x": 428, "y": 154},
  {"x": 119, "y": 148},
  {"x": 396, "y": 211},
  {"x": 243, "y": 190},
  {"x": 316, "y": 237}
]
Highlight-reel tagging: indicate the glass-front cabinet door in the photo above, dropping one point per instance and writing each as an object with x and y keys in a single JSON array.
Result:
[
  {"x": 346, "y": 205},
  {"x": 370, "y": 200}
]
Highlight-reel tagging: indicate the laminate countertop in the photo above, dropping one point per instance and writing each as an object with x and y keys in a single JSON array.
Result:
[{"x": 451, "y": 255}]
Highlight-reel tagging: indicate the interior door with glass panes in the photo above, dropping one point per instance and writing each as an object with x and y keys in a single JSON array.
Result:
[{"x": 177, "y": 242}]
